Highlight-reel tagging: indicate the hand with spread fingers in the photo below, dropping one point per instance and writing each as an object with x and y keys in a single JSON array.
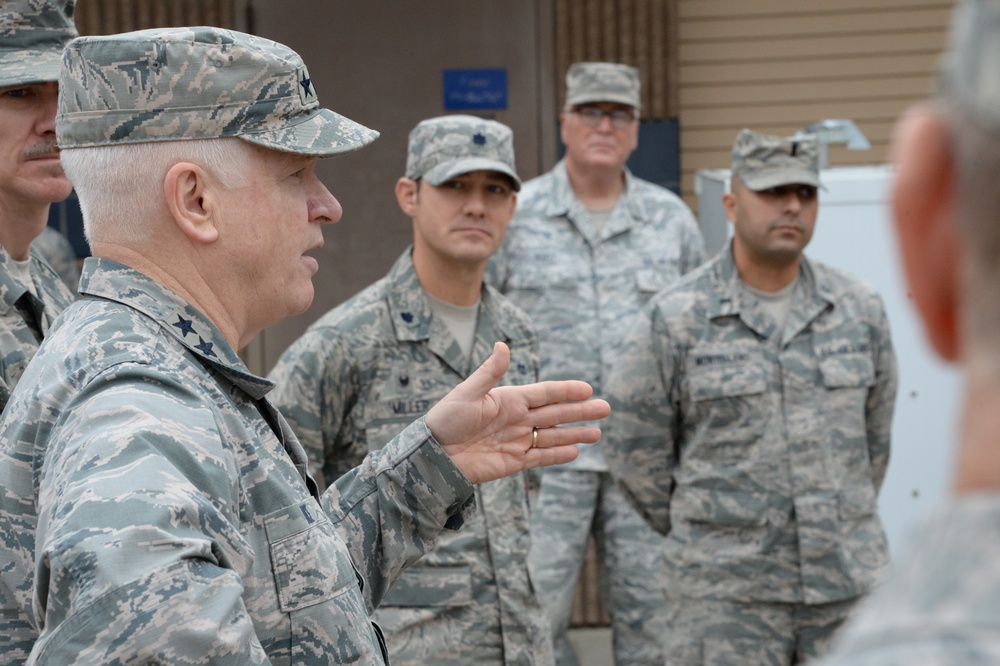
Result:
[{"x": 492, "y": 431}]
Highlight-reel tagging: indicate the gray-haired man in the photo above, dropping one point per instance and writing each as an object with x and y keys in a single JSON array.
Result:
[
  {"x": 756, "y": 401},
  {"x": 32, "y": 37},
  {"x": 942, "y": 606},
  {"x": 590, "y": 243},
  {"x": 367, "y": 368},
  {"x": 159, "y": 503}
]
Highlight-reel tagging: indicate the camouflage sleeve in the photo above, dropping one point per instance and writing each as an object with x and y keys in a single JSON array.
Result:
[
  {"x": 639, "y": 442},
  {"x": 390, "y": 509},
  {"x": 316, "y": 387},
  {"x": 881, "y": 398},
  {"x": 137, "y": 513}
]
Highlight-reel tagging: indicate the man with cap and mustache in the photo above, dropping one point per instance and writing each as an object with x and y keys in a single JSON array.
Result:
[
  {"x": 942, "y": 605},
  {"x": 368, "y": 367},
  {"x": 756, "y": 401},
  {"x": 32, "y": 36},
  {"x": 160, "y": 503}
]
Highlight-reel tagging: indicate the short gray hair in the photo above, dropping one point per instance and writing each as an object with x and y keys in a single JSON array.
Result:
[{"x": 119, "y": 185}]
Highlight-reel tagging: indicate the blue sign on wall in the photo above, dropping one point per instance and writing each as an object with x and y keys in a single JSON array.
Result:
[{"x": 467, "y": 89}]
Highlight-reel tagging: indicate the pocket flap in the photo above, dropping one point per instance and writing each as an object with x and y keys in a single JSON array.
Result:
[
  {"x": 431, "y": 586},
  {"x": 719, "y": 507}
]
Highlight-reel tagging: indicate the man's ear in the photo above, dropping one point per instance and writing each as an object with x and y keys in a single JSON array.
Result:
[
  {"x": 729, "y": 205},
  {"x": 407, "y": 195},
  {"x": 192, "y": 202},
  {"x": 923, "y": 198}
]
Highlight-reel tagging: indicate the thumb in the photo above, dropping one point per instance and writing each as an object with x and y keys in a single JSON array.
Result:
[{"x": 486, "y": 376}]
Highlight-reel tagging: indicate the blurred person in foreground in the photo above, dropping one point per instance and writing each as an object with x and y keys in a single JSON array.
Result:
[{"x": 942, "y": 605}]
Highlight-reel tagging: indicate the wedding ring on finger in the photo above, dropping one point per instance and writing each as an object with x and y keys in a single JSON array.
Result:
[{"x": 534, "y": 438}]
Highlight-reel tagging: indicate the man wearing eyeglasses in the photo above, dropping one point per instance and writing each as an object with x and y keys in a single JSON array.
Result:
[{"x": 589, "y": 245}]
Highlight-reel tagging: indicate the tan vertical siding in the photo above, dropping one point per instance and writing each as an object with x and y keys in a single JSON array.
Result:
[
  {"x": 777, "y": 65},
  {"x": 635, "y": 32}
]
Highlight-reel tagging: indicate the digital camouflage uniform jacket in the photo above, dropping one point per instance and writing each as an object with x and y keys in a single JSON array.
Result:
[
  {"x": 582, "y": 288},
  {"x": 351, "y": 383},
  {"x": 19, "y": 340},
  {"x": 942, "y": 605},
  {"x": 174, "y": 520},
  {"x": 760, "y": 453}
]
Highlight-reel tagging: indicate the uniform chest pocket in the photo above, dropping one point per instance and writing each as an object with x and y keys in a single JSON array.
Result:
[
  {"x": 726, "y": 395},
  {"x": 852, "y": 370},
  {"x": 649, "y": 282},
  {"x": 309, "y": 561},
  {"x": 725, "y": 372},
  {"x": 431, "y": 586}
]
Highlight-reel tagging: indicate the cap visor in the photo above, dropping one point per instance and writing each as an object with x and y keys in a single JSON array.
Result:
[
  {"x": 775, "y": 178},
  {"x": 29, "y": 66},
  {"x": 446, "y": 170},
  {"x": 324, "y": 133}
]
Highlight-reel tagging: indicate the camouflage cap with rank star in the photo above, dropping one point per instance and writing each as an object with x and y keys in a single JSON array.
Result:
[
  {"x": 174, "y": 84},
  {"x": 762, "y": 161},
  {"x": 448, "y": 146},
  {"x": 602, "y": 82},
  {"x": 970, "y": 69},
  {"x": 33, "y": 34}
]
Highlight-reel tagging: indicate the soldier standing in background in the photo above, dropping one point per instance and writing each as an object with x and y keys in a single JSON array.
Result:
[
  {"x": 756, "y": 399},
  {"x": 367, "y": 368},
  {"x": 590, "y": 243},
  {"x": 32, "y": 37},
  {"x": 156, "y": 506}
]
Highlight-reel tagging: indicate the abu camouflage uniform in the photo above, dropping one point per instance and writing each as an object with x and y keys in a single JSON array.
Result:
[
  {"x": 33, "y": 34},
  {"x": 351, "y": 383},
  {"x": 173, "y": 506},
  {"x": 759, "y": 452},
  {"x": 581, "y": 287},
  {"x": 25, "y": 317}
]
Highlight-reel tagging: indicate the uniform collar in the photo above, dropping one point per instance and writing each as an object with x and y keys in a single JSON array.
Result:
[
  {"x": 729, "y": 297},
  {"x": 11, "y": 288},
  {"x": 413, "y": 320},
  {"x": 563, "y": 202},
  {"x": 112, "y": 281}
]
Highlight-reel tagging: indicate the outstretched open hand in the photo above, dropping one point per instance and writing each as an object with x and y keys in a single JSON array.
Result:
[{"x": 488, "y": 429}]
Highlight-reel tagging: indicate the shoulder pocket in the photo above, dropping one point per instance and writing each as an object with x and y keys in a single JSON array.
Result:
[{"x": 310, "y": 562}]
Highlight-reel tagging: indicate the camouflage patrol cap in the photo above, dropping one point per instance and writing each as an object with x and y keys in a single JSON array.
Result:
[
  {"x": 173, "y": 84},
  {"x": 602, "y": 82},
  {"x": 762, "y": 161},
  {"x": 33, "y": 34},
  {"x": 447, "y": 146},
  {"x": 970, "y": 69}
]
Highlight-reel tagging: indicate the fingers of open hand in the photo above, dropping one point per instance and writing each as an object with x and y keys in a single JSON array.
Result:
[
  {"x": 547, "y": 416},
  {"x": 544, "y": 393},
  {"x": 543, "y": 438}
]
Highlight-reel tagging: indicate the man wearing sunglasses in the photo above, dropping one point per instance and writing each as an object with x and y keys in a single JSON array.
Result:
[{"x": 589, "y": 245}]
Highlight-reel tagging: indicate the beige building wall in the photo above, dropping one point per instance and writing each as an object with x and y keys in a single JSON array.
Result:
[{"x": 776, "y": 65}]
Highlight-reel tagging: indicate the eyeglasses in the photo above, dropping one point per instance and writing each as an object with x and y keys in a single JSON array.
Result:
[{"x": 591, "y": 116}]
